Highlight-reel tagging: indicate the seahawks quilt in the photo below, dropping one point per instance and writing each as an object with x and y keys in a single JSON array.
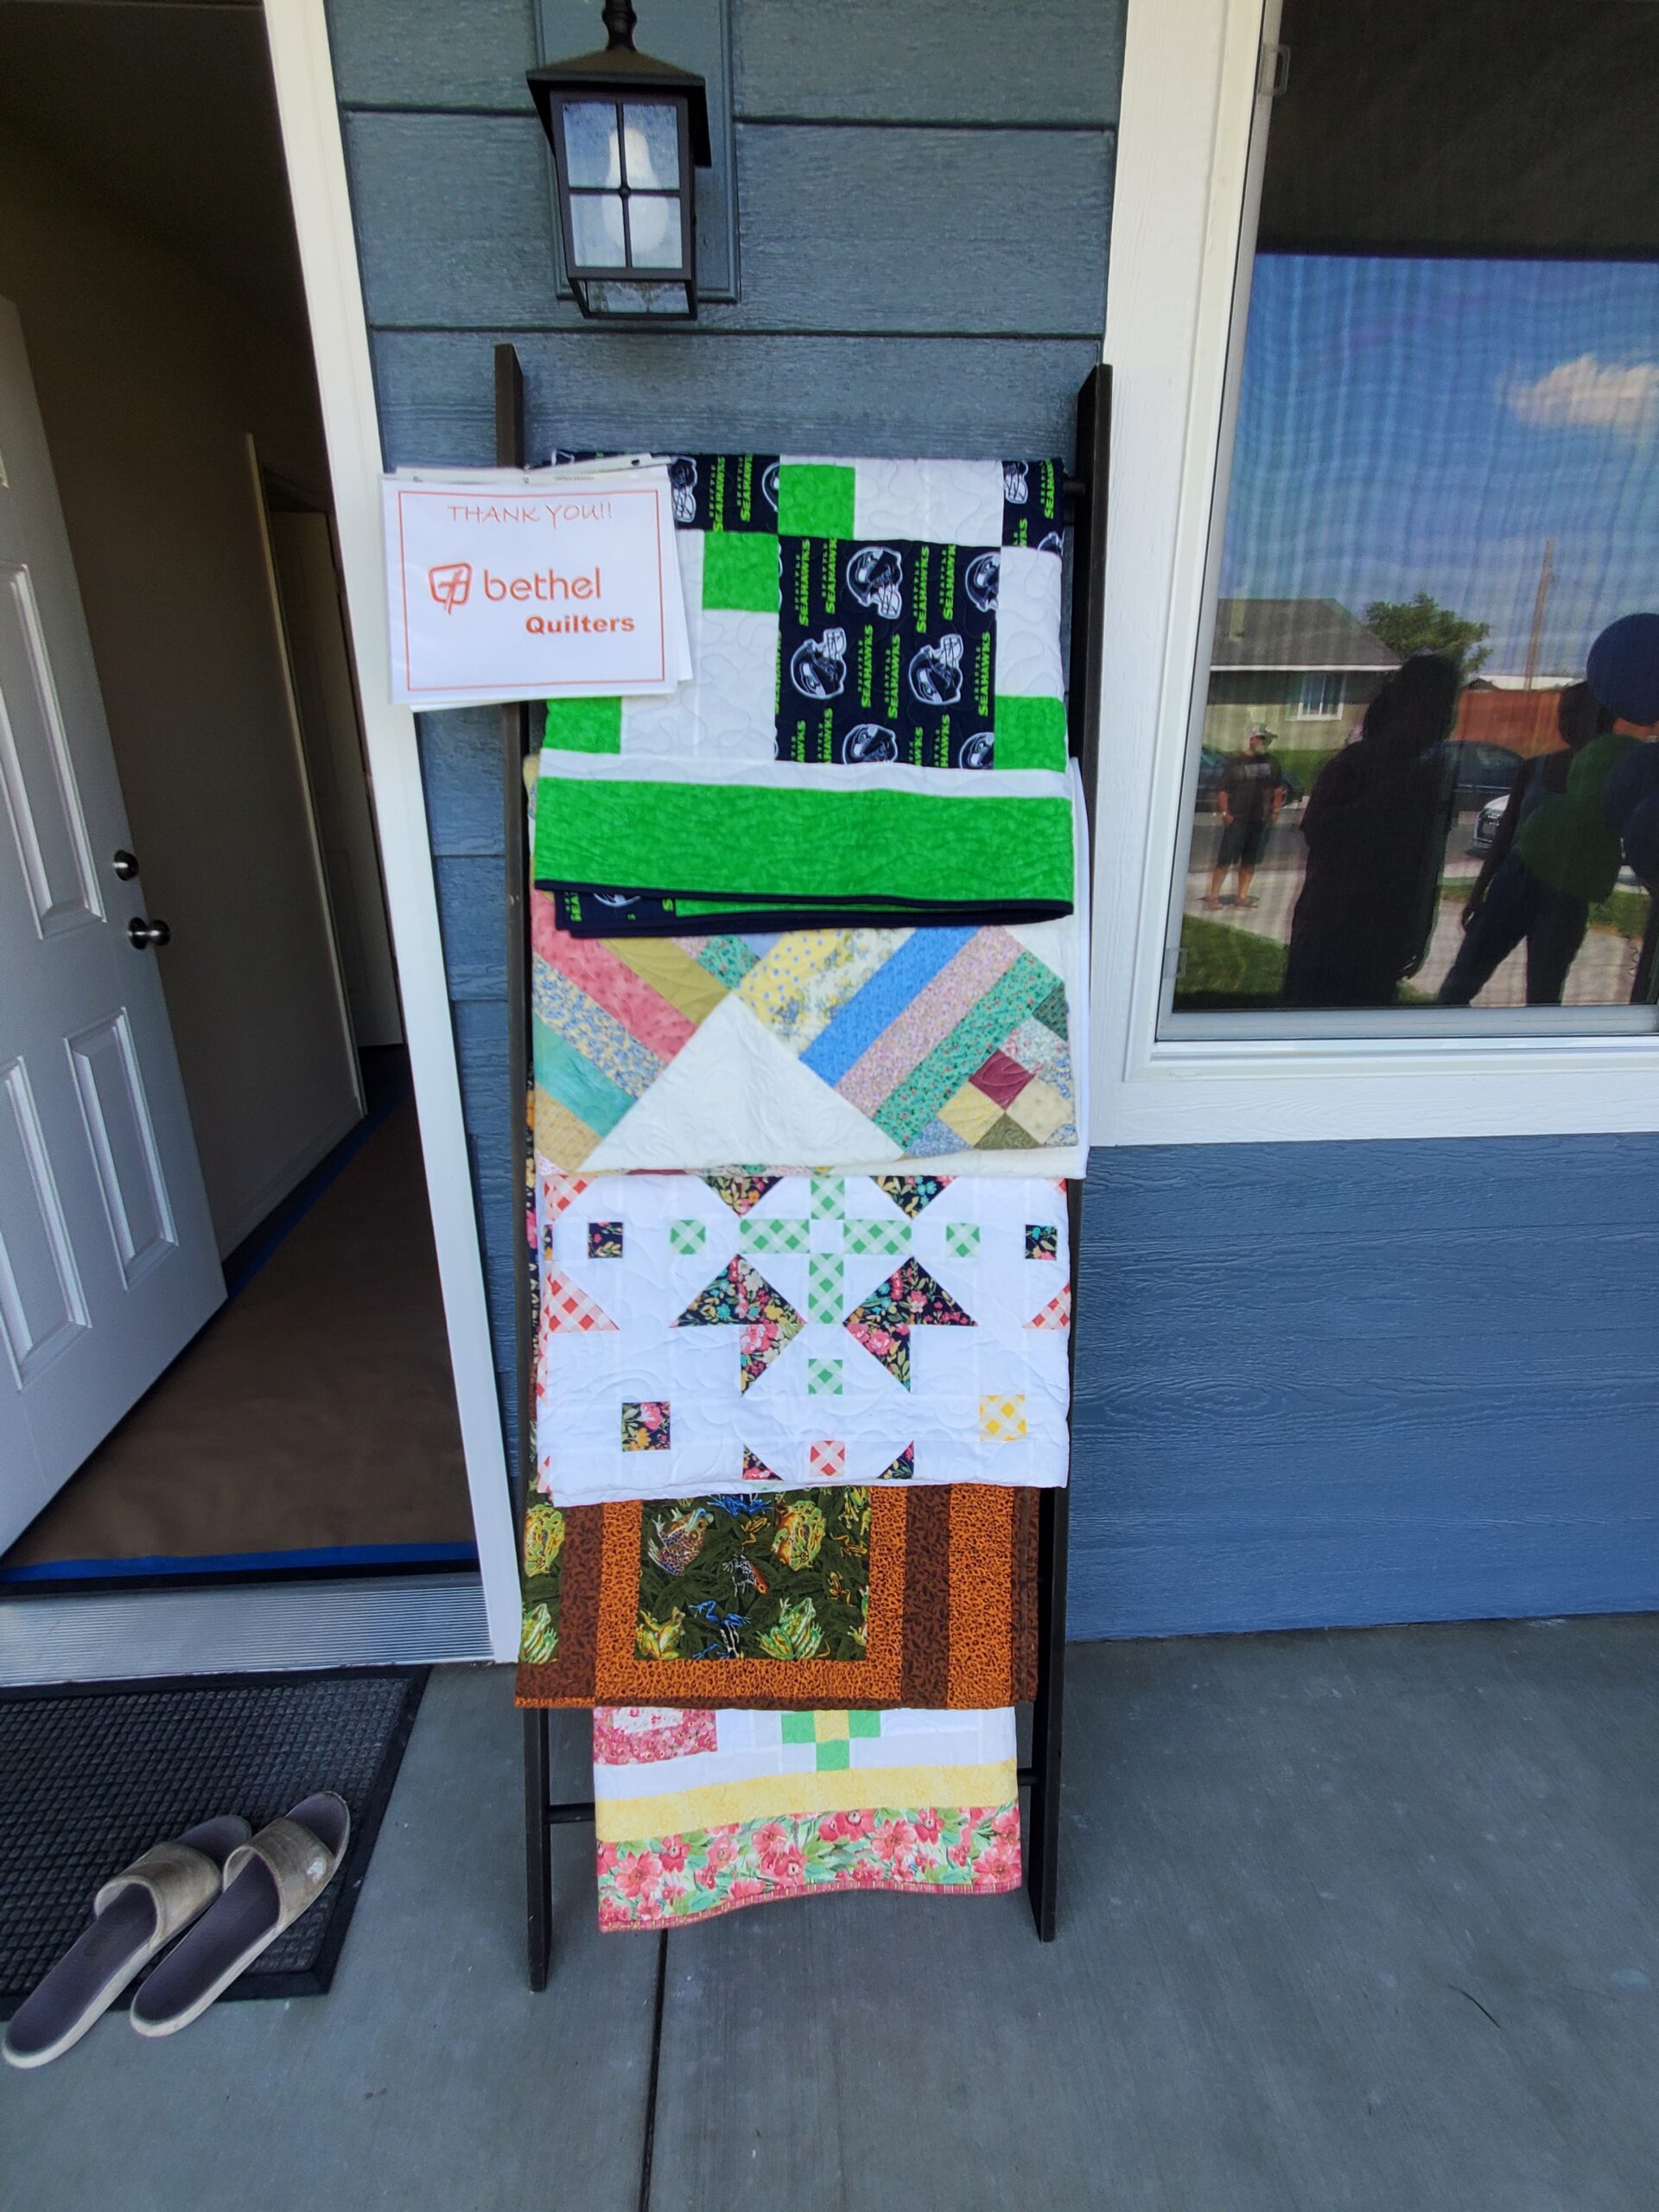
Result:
[
  {"x": 875, "y": 727},
  {"x": 704, "y": 1335}
]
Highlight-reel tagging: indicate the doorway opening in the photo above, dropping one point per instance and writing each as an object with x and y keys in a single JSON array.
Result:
[{"x": 264, "y": 1387}]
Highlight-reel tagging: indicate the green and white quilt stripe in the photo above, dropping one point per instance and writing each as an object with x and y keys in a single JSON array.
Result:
[{"x": 930, "y": 837}]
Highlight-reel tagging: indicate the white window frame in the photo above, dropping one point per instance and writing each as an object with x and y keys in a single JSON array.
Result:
[
  {"x": 1186, "y": 191},
  {"x": 1323, "y": 677},
  {"x": 301, "y": 65}
]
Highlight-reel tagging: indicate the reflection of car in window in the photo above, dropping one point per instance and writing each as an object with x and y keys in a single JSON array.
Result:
[
  {"x": 1484, "y": 773},
  {"x": 1485, "y": 828}
]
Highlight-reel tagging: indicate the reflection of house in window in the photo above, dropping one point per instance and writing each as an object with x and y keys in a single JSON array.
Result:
[{"x": 1304, "y": 660}]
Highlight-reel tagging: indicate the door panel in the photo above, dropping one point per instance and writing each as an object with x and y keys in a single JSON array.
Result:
[
  {"x": 36, "y": 769},
  {"x": 108, "y": 1265},
  {"x": 123, "y": 1138},
  {"x": 41, "y": 1303}
]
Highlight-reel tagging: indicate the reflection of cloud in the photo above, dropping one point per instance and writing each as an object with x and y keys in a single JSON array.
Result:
[{"x": 1591, "y": 395}]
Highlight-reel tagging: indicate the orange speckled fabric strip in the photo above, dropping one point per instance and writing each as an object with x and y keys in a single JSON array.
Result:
[
  {"x": 951, "y": 1618},
  {"x": 981, "y": 1599}
]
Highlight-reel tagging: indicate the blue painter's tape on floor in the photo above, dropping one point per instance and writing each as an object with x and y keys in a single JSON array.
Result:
[{"x": 359, "y": 1555}]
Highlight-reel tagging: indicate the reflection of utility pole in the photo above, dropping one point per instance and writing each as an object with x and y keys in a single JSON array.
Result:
[{"x": 1546, "y": 573}]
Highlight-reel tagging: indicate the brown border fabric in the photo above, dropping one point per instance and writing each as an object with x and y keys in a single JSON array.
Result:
[{"x": 952, "y": 1615}]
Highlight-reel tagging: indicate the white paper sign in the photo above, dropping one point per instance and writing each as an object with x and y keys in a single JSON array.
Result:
[{"x": 532, "y": 585}]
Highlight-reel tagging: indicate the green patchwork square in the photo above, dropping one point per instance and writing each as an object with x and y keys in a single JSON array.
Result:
[
  {"x": 823, "y": 1378},
  {"x": 961, "y": 1239},
  {"x": 583, "y": 725},
  {"x": 836, "y": 1757},
  {"x": 814, "y": 500},
  {"x": 799, "y": 1727},
  {"x": 728, "y": 958},
  {"x": 687, "y": 1236},
  {"x": 1030, "y": 733},
  {"x": 891, "y": 1237},
  {"x": 828, "y": 1198},
  {"x": 773, "y": 1236},
  {"x": 740, "y": 570},
  {"x": 825, "y": 1287},
  {"x": 863, "y": 1724}
]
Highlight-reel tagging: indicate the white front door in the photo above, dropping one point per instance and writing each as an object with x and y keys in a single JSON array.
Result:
[{"x": 108, "y": 1264}]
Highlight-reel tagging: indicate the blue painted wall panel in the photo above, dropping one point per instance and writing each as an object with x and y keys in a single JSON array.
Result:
[
  {"x": 811, "y": 394},
  {"x": 1335, "y": 1384},
  {"x": 462, "y": 219},
  {"x": 1046, "y": 61}
]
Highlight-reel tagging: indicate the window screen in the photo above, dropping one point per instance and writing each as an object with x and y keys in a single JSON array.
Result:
[{"x": 1441, "y": 490}]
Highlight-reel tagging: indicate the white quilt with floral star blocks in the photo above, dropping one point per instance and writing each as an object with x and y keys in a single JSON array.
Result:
[{"x": 711, "y": 1335}]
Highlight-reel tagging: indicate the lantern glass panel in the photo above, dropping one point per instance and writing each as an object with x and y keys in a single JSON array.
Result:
[
  {"x": 651, "y": 141},
  {"x": 654, "y": 231},
  {"x": 606, "y": 296},
  {"x": 591, "y": 155},
  {"x": 596, "y": 230}
]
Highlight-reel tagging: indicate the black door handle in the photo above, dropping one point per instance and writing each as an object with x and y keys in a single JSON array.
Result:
[{"x": 143, "y": 935}]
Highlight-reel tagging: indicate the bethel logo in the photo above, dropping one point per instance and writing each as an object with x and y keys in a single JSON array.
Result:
[{"x": 450, "y": 584}]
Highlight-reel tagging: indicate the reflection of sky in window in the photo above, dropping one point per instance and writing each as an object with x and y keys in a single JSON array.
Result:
[{"x": 1426, "y": 425}]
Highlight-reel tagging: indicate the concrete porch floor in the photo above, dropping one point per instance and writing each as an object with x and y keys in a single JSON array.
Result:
[{"x": 1363, "y": 1920}]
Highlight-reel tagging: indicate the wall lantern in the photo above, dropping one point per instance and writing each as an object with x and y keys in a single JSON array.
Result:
[{"x": 627, "y": 131}]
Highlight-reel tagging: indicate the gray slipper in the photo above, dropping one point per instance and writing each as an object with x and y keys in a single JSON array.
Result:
[
  {"x": 268, "y": 1884},
  {"x": 136, "y": 1913}
]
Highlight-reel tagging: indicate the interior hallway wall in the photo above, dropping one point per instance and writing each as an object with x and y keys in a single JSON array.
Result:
[{"x": 148, "y": 378}]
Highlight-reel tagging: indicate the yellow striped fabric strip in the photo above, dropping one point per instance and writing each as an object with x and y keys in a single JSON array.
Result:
[
  {"x": 560, "y": 1136},
  {"x": 672, "y": 973},
  {"x": 632, "y": 1820}
]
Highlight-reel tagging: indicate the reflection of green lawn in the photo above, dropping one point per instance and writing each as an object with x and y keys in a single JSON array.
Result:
[
  {"x": 1623, "y": 911},
  {"x": 1230, "y": 970},
  {"x": 1225, "y": 967}
]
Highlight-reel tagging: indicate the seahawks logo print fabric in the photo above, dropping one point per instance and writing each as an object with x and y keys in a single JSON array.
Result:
[{"x": 887, "y": 652}]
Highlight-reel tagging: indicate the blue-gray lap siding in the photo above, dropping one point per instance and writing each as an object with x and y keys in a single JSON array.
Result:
[
  {"x": 939, "y": 289},
  {"x": 1316, "y": 1384}
]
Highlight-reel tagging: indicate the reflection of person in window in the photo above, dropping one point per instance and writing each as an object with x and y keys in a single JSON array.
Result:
[
  {"x": 1623, "y": 667},
  {"x": 1248, "y": 796},
  {"x": 1552, "y": 856},
  {"x": 1376, "y": 829}
]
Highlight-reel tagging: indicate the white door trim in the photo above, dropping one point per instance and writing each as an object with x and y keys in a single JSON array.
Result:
[
  {"x": 393, "y": 1620},
  {"x": 298, "y": 32},
  {"x": 1181, "y": 199}
]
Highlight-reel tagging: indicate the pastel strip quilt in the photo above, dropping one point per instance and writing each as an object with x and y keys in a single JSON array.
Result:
[
  {"x": 930, "y": 1049},
  {"x": 792, "y": 1599},
  {"x": 698, "y": 1812},
  {"x": 705, "y": 1335}
]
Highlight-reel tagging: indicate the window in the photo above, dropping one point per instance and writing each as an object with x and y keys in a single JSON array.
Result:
[
  {"x": 1408, "y": 809},
  {"x": 1320, "y": 698}
]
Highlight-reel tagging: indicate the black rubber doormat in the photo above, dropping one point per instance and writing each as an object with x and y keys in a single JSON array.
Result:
[{"x": 91, "y": 1777}]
